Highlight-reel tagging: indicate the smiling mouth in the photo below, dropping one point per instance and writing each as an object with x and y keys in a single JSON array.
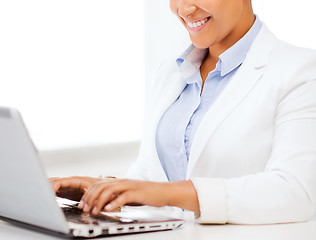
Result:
[{"x": 197, "y": 24}]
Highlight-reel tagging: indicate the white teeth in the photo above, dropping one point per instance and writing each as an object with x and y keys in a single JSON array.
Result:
[{"x": 197, "y": 24}]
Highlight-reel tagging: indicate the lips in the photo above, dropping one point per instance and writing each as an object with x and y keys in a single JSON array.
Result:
[{"x": 196, "y": 25}]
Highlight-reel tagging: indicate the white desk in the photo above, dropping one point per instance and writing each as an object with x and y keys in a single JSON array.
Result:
[
  {"x": 192, "y": 231},
  {"x": 117, "y": 164}
]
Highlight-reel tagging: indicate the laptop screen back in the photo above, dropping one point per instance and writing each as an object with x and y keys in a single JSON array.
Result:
[{"x": 26, "y": 194}]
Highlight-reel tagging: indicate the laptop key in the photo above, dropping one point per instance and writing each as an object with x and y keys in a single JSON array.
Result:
[{"x": 75, "y": 215}]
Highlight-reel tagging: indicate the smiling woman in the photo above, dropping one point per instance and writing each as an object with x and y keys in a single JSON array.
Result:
[{"x": 230, "y": 125}]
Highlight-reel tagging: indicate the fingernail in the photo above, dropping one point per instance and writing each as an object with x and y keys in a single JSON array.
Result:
[
  {"x": 108, "y": 207},
  {"x": 95, "y": 211},
  {"x": 86, "y": 208},
  {"x": 81, "y": 204}
]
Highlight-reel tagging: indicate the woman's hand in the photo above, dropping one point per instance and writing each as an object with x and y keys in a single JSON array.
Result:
[
  {"x": 72, "y": 187},
  {"x": 109, "y": 195}
]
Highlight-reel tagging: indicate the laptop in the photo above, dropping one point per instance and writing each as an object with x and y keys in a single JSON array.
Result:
[{"x": 27, "y": 198}]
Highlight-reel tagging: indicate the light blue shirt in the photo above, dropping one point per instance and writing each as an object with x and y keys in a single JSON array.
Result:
[{"x": 178, "y": 125}]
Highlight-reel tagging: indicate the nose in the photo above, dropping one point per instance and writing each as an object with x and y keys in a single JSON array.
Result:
[{"x": 186, "y": 8}]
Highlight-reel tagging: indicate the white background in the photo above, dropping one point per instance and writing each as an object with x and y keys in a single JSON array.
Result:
[{"x": 75, "y": 68}]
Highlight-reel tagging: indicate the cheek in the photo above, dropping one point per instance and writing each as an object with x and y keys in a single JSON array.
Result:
[
  {"x": 173, "y": 6},
  {"x": 227, "y": 16},
  {"x": 224, "y": 9}
]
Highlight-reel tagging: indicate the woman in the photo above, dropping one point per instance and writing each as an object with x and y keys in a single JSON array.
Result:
[{"x": 230, "y": 127}]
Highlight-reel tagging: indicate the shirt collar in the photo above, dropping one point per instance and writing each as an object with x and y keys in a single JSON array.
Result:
[
  {"x": 236, "y": 54},
  {"x": 191, "y": 59}
]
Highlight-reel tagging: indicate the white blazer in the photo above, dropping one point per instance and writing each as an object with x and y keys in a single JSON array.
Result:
[{"x": 253, "y": 158}]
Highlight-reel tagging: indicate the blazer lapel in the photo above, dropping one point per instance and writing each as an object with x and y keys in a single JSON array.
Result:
[
  {"x": 167, "y": 97},
  {"x": 242, "y": 83}
]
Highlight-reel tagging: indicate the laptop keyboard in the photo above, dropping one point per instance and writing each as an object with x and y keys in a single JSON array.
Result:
[{"x": 75, "y": 215}]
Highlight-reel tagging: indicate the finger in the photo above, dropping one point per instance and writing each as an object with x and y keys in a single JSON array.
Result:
[
  {"x": 101, "y": 201},
  {"x": 53, "y": 178},
  {"x": 90, "y": 196},
  {"x": 111, "y": 194},
  {"x": 121, "y": 200},
  {"x": 71, "y": 182},
  {"x": 91, "y": 188},
  {"x": 56, "y": 185},
  {"x": 52, "y": 181},
  {"x": 64, "y": 183},
  {"x": 106, "y": 189},
  {"x": 94, "y": 188}
]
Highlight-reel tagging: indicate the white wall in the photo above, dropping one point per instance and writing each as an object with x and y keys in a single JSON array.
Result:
[
  {"x": 164, "y": 37},
  {"x": 75, "y": 69},
  {"x": 290, "y": 20}
]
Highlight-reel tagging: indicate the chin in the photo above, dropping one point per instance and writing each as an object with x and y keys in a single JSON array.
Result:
[{"x": 201, "y": 43}]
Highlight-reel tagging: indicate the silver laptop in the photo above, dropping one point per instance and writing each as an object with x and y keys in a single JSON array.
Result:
[{"x": 27, "y": 198}]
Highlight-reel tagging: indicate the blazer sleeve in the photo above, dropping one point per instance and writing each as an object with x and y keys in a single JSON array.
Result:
[
  {"x": 138, "y": 170},
  {"x": 286, "y": 190}
]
